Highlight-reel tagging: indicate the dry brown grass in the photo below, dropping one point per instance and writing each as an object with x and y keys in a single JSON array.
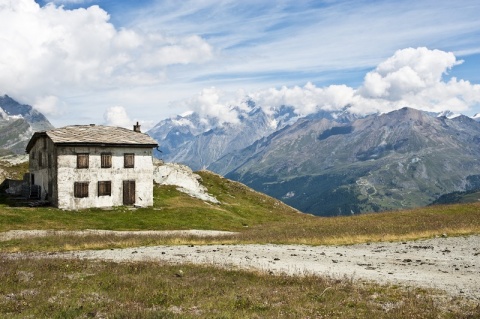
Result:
[
  {"x": 42, "y": 288},
  {"x": 285, "y": 228}
]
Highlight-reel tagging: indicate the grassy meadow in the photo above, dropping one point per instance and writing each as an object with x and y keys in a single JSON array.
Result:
[
  {"x": 256, "y": 217},
  {"x": 55, "y": 288}
]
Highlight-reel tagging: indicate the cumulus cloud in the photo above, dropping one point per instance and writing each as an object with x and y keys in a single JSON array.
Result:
[
  {"x": 48, "y": 105},
  {"x": 307, "y": 99},
  {"x": 411, "y": 77},
  {"x": 214, "y": 103},
  {"x": 50, "y": 50},
  {"x": 117, "y": 116},
  {"x": 407, "y": 71},
  {"x": 414, "y": 77}
]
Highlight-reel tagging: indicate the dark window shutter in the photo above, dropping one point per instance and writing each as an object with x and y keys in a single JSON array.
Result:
[
  {"x": 80, "y": 189},
  {"x": 106, "y": 159},
  {"x": 129, "y": 160},
  {"x": 105, "y": 188},
  {"x": 82, "y": 160}
]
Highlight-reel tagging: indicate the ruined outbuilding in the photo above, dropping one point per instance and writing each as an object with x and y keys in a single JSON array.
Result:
[{"x": 84, "y": 166}]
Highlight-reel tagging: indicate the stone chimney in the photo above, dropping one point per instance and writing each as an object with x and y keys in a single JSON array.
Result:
[{"x": 136, "y": 128}]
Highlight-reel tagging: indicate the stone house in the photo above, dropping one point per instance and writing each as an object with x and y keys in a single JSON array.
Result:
[{"x": 84, "y": 166}]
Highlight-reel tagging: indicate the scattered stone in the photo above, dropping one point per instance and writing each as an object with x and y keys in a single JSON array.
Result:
[
  {"x": 179, "y": 273},
  {"x": 422, "y": 247}
]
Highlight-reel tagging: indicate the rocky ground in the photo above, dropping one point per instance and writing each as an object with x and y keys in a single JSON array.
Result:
[
  {"x": 451, "y": 264},
  {"x": 184, "y": 178}
]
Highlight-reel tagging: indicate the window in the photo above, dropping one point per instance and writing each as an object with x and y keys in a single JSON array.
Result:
[
  {"x": 33, "y": 155},
  {"x": 80, "y": 189},
  {"x": 105, "y": 188},
  {"x": 128, "y": 160},
  {"x": 106, "y": 159},
  {"x": 40, "y": 159},
  {"x": 82, "y": 160},
  {"x": 49, "y": 161}
]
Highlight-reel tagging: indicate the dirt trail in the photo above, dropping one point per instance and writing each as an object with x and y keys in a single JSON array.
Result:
[
  {"x": 451, "y": 264},
  {"x": 13, "y": 234}
]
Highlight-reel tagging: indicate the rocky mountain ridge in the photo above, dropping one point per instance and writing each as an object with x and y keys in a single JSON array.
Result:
[
  {"x": 331, "y": 163},
  {"x": 18, "y": 122},
  {"x": 401, "y": 159},
  {"x": 199, "y": 141}
]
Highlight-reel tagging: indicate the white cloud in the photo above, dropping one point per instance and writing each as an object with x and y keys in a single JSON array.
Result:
[
  {"x": 48, "y": 105},
  {"x": 414, "y": 77},
  {"x": 62, "y": 2},
  {"x": 213, "y": 103},
  {"x": 54, "y": 51},
  {"x": 411, "y": 77},
  {"x": 117, "y": 116},
  {"x": 156, "y": 52},
  {"x": 407, "y": 71},
  {"x": 306, "y": 100}
]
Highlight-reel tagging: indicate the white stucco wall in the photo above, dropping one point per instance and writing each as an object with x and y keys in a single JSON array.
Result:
[{"x": 68, "y": 174}]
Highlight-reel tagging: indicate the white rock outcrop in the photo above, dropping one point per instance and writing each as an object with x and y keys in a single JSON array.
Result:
[{"x": 184, "y": 178}]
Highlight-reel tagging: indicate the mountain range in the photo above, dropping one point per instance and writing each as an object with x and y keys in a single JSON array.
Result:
[
  {"x": 326, "y": 163},
  {"x": 199, "y": 141},
  {"x": 18, "y": 122},
  {"x": 334, "y": 163}
]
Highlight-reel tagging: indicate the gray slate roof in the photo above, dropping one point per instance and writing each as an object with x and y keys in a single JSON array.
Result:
[{"x": 95, "y": 134}]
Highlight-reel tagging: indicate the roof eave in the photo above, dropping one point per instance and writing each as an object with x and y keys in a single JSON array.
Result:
[{"x": 105, "y": 144}]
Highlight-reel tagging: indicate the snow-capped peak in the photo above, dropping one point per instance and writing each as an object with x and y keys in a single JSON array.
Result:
[{"x": 448, "y": 114}]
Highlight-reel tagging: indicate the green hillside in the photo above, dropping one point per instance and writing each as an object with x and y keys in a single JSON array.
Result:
[
  {"x": 256, "y": 217},
  {"x": 472, "y": 196}
]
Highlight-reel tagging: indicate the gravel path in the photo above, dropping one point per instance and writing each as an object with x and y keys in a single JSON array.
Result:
[
  {"x": 13, "y": 234},
  {"x": 451, "y": 264}
]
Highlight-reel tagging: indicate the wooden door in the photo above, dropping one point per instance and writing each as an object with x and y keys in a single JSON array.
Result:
[{"x": 128, "y": 192}]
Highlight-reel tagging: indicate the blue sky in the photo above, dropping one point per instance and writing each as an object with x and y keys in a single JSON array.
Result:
[{"x": 116, "y": 62}]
